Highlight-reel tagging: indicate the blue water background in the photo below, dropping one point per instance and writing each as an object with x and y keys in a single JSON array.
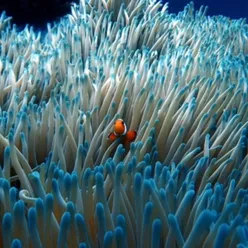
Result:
[{"x": 231, "y": 8}]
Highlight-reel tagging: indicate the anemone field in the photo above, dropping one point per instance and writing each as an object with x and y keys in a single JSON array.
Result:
[{"x": 179, "y": 80}]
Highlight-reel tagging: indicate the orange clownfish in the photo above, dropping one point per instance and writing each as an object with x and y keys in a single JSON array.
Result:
[
  {"x": 120, "y": 127},
  {"x": 130, "y": 135},
  {"x": 120, "y": 130},
  {"x": 112, "y": 136}
]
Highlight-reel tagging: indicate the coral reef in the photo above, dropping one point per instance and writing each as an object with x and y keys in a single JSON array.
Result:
[{"x": 179, "y": 80}]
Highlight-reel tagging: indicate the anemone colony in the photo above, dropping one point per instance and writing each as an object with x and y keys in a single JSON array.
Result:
[{"x": 179, "y": 80}]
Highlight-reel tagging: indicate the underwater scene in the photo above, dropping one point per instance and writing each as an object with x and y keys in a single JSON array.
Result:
[{"x": 123, "y": 124}]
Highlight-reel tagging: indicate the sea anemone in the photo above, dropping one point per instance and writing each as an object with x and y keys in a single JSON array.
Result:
[{"x": 179, "y": 81}]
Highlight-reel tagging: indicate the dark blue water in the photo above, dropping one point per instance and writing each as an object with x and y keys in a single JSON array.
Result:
[
  {"x": 232, "y": 8},
  {"x": 39, "y": 12},
  {"x": 36, "y": 13}
]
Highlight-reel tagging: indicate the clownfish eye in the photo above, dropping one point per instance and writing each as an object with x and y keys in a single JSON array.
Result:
[{"x": 120, "y": 121}]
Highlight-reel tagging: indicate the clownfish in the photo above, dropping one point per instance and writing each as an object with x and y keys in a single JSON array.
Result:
[
  {"x": 120, "y": 130},
  {"x": 130, "y": 135},
  {"x": 120, "y": 127},
  {"x": 112, "y": 136}
]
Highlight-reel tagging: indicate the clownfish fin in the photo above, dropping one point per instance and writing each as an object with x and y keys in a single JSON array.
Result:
[
  {"x": 120, "y": 127},
  {"x": 130, "y": 135},
  {"x": 112, "y": 136}
]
